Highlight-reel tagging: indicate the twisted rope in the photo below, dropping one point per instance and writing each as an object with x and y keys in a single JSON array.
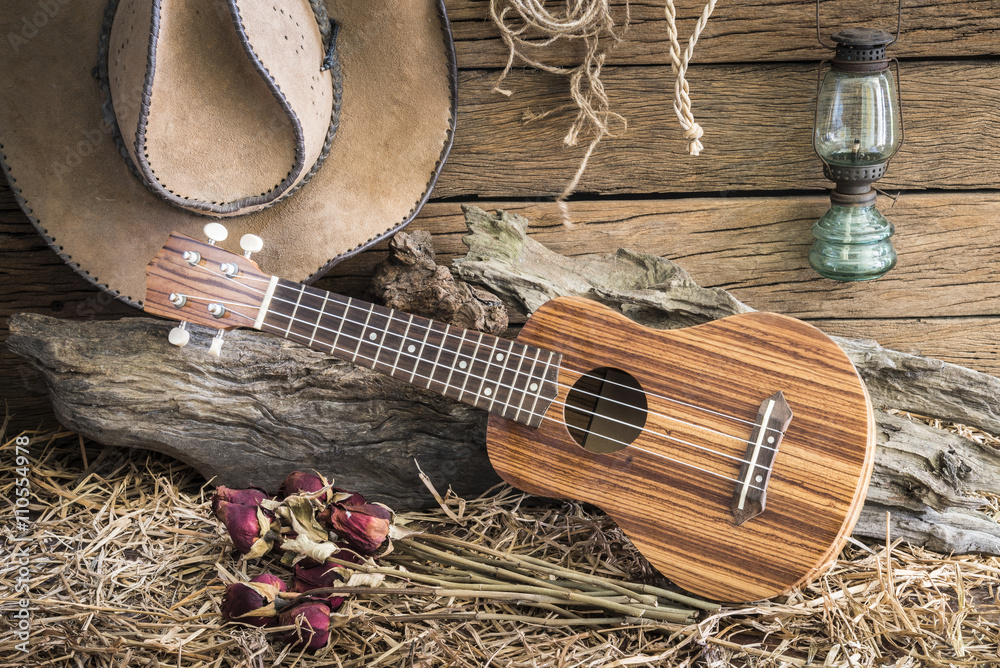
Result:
[
  {"x": 679, "y": 63},
  {"x": 591, "y": 22}
]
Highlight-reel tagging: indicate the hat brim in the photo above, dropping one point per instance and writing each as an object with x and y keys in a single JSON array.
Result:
[{"x": 396, "y": 129}]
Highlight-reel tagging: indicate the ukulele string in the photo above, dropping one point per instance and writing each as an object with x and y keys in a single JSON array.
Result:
[
  {"x": 447, "y": 333},
  {"x": 517, "y": 373},
  {"x": 624, "y": 444}
]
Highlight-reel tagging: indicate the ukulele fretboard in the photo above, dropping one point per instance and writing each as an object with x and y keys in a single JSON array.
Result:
[{"x": 510, "y": 379}]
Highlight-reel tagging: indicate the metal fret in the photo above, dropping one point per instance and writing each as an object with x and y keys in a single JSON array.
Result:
[
  {"x": 513, "y": 381},
  {"x": 361, "y": 335},
  {"x": 340, "y": 327},
  {"x": 524, "y": 395},
  {"x": 468, "y": 373},
  {"x": 534, "y": 404},
  {"x": 456, "y": 353},
  {"x": 420, "y": 354},
  {"x": 291, "y": 318},
  {"x": 402, "y": 342},
  {"x": 490, "y": 392},
  {"x": 319, "y": 318}
]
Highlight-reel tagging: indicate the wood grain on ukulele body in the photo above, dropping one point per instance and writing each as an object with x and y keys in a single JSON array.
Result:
[{"x": 734, "y": 454}]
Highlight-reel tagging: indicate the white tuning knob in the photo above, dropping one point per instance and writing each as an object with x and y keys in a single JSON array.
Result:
[
  {"x": 215, "y": 232},
  {"x": 251, "y": 243},
  {"x": 216, "y": 347},
  {"x": 179, "y": 336}
]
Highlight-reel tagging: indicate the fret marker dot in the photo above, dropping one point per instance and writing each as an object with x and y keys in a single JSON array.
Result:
[
  {"x": 770, "y": 439},
  {"x": 499, "y": 357},
  {"x": 533, "y": 387},
  {"x": 411, "y": 348},
  {"x": 373, "y": 336},
  {"x": 759, "y": 478},
  {"x": 488, "y": 391},
  {"x": 462, "y": 364}
]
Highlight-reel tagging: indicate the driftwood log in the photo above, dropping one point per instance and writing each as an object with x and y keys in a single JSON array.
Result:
[{"x": 267, "y": 406}]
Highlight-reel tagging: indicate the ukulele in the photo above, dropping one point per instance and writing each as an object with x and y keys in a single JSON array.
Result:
[{"x": 734, "y": 454}]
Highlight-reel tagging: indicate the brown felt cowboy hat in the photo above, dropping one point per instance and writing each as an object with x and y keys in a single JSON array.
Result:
[{"x": 319, "y": 125}]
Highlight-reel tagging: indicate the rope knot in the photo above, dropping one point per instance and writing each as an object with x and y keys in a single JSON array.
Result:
[
  {"x": 679, "y": 60},
  {"x": 693, "y": 134}
]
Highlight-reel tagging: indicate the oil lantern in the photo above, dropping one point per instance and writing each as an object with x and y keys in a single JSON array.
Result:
[{"x": 857, "y": 130}]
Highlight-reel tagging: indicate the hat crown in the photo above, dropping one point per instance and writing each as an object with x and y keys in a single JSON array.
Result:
[{"x": 223, "y": 107}]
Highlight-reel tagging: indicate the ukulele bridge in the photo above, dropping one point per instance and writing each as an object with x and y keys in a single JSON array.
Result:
[{"x": 755, "y": 473}]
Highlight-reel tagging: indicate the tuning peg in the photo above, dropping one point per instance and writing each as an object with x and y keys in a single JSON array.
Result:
[
  {"x": 251, "y": 243},
  {"x": 179, "y": 336},
  {"x": 215, "y": 232},
  {"x": 216, "y": 347}
]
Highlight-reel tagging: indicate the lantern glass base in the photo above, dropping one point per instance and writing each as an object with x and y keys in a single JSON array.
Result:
[{"x": 852, "y": 244}]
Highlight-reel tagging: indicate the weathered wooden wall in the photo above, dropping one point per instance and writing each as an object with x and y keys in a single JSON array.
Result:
[{"x": 736, "y": 217}]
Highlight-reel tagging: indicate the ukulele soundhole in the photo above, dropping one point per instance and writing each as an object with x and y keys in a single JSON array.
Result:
[{"x": 605, "y": 410}]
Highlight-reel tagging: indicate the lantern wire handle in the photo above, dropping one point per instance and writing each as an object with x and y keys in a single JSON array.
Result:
[
  {"x": 831, "y": 45},
  {"x": 819, "y": 82},
  {"x": 899, "y": 100}
]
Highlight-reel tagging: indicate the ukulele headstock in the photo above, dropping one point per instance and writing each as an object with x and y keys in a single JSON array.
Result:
[{"x": 197, "y": 281}]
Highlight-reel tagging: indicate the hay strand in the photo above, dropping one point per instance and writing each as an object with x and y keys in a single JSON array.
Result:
[{"x": 126, "y": 567}]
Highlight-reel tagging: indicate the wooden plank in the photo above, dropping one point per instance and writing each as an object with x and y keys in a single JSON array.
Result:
[
  {"x": 969, "y": 342},
  {"x": 751, "y": 30},
  {"x": 756, "y": 247},
  {"x": 36, "y": 280},
  {"x": 758, "y": 133}
]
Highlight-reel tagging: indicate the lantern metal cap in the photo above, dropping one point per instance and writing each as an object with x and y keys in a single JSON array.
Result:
[
  {"x": 862, "y": 37},
  {"x": 861, "y": 49}
]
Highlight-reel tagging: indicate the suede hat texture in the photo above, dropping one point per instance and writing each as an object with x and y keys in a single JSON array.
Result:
[{"x": 319, "y": 125}]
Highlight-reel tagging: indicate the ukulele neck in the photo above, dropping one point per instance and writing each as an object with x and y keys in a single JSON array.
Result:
[{"x": 504, "y": 377}]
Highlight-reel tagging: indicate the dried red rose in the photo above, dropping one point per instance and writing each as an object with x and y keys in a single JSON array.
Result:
[
  {"x": 363, "y": 527},
  {"x": 311, "y": 575},
  {"x": 311, "y": 619},
  {"x": 299, "y": 482},
  {"x": 268, "y": 578},
  {"x": 250, "y": 536},
  {"x": 251, "y": 496},
  {"x": 252, "y": 602}
]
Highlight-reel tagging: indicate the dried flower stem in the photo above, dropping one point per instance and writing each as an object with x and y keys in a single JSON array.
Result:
[
  {"x": 627, "y": 588},
  {"x": 514, "y": 594}
]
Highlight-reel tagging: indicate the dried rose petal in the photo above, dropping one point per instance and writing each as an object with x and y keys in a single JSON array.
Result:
[
  {"x": 243, "y": 524},
  {"x": 244, "y": 497},
  {"x": 349, "y": 498},
  {"x": 312, "y": 625},
  {"x": 240, "y": 599},
  {"x": 299, "y": 482},
  {"x": 272, "y": 580},
  {"x": 311, "y": 575},
  {"x": 363, "y": 527}
]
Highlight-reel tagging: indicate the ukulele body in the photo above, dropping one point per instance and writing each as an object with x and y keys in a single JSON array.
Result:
[{"x": 671, "y": 489}]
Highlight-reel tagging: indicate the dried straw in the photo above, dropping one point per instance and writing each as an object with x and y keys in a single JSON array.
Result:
[{"x": 127, "y": 567}]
